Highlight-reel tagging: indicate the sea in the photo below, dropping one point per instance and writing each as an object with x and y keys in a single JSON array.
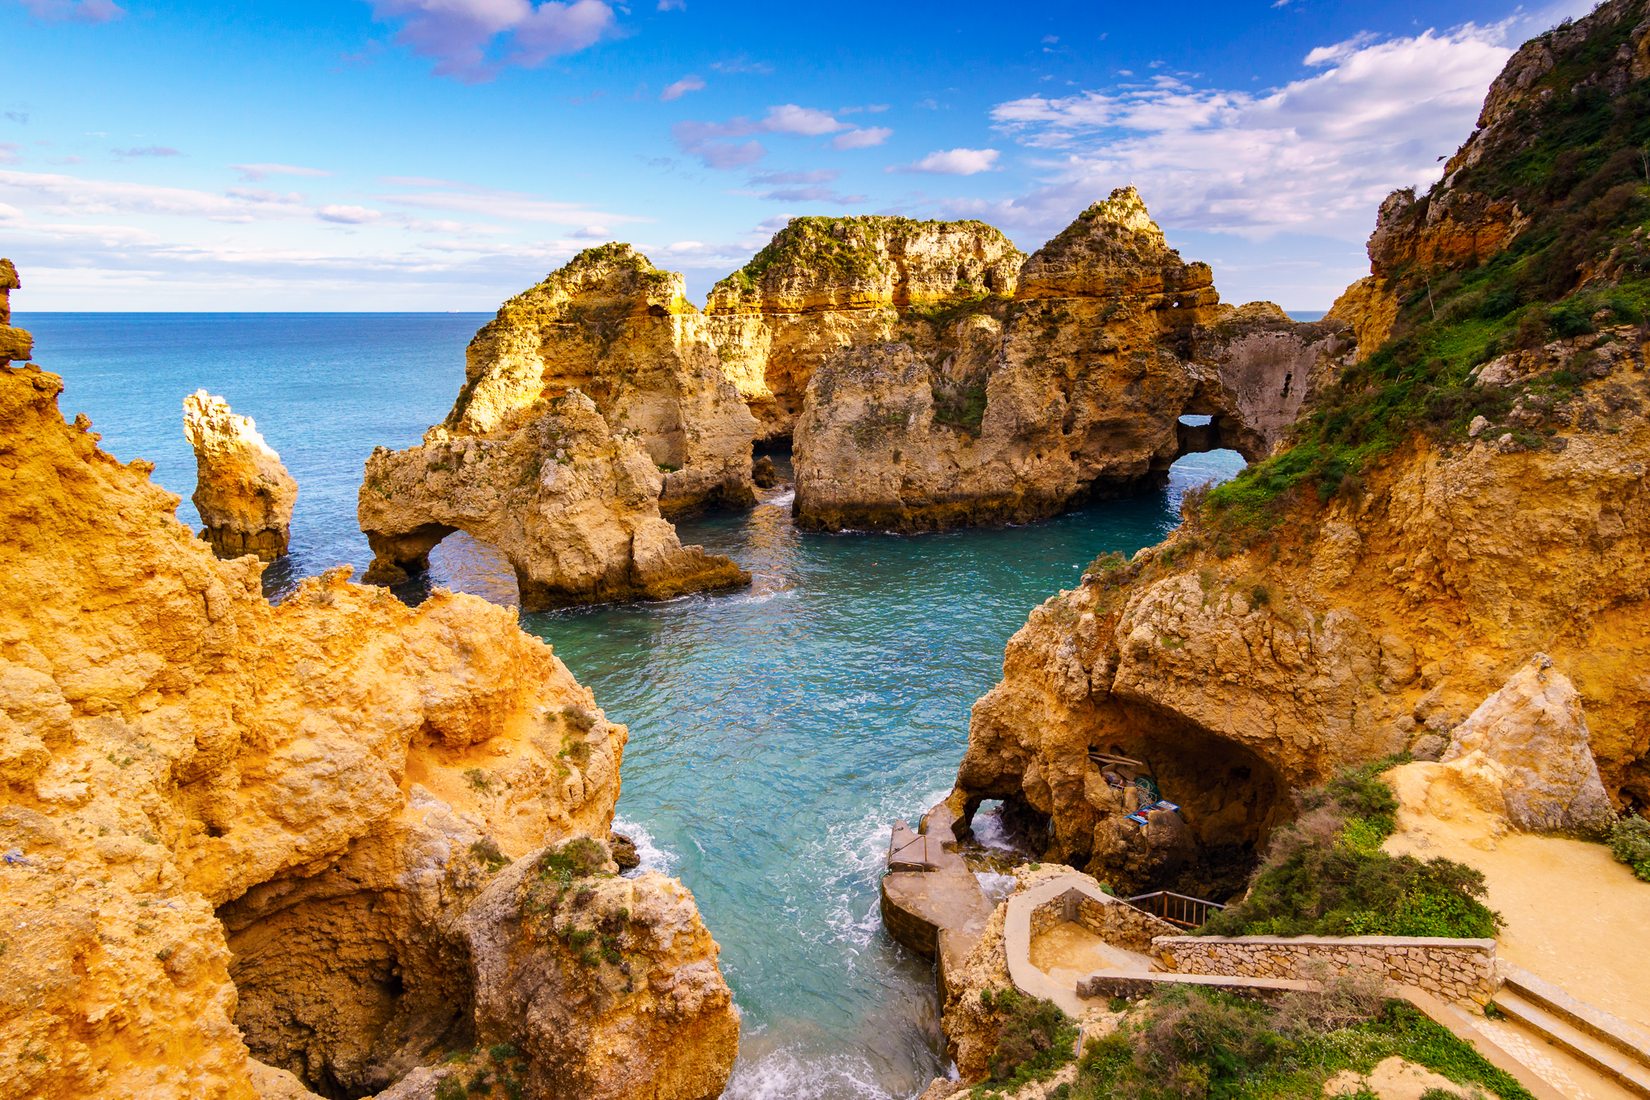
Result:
[{"x": 776, "y": 733}]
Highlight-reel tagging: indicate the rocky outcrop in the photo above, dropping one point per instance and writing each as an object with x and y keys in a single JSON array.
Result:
[
  {"x": 15, "y": 343},
  {"x": 570, "y": 504},
  {"x": 622, "y": 332},
  {"x": 242, "y": 492},
  {"x": 1008, "y": 410},
  {"x": 223, "y": 817},
  {"x": 1532, "y": 736},
  {"x": 1284, "y": 633},
  {"x": 591, "y": 402},
  {"x": 609, "y": 986},
  {"x": 825, "y": 284}
]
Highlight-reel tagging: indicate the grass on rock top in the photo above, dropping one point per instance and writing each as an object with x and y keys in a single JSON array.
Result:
[{"x": 1577, "y": 163}]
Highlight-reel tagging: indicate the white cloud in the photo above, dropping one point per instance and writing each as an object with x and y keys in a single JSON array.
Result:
[
  {"x": 509, "y": 205},
  {"x": 466, "y": 37},
  {"x": 74, "y": 11},
  {"x": 815, "y": 175},
  {"x": 58, "y": 194},
  {"x": 673, "y": 5},
  {"x": 8, "y": 153},
  {"x": 682, "y": 87},
  {"x": 255, "y": 172},
  {"x": 954, "y": 162},
  {"x": 863, "y": 138},
  {"x": 788, "y": 118},
  {"x": 1313, "y": 156},
  {"x": 348, "y": 215},
  {"x": 148, "y": 151}
]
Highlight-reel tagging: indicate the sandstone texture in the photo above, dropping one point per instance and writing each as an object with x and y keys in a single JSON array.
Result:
[
  {"x": 1020, "y": 404},
  {"x": 620, "y": 331},
  {"x": 242, "y": 839},
  {"x": 1257, "y": 652},
  {"x": 571, "y": 505},
  {"x": 15, "y": 343},
  {"x": 824, "y": 284},
  {"x": 1531, "y": 736},
  {"x": 242, "y": 492}
]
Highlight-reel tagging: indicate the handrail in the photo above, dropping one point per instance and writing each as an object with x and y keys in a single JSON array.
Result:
[{"x": 1180, "y": 910}]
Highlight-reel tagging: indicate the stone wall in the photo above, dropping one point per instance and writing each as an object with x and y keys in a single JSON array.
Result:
[
  {"x": 1454, "y": 969},
  {"x": 1121, "y": 924}
]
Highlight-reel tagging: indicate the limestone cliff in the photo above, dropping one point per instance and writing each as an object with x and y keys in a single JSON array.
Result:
[
  {"x": 824, "y": 284},
  {"x": 242, "y": 492},
  {"x": 1469, "y": 494},
  {"x": 621, "y": 331},
  {"x": 223, "y": 817},
  {"x": 15, "y": 343},
  {"x": 573, "y": 507},
  {"x": 1011, "y": 409}
]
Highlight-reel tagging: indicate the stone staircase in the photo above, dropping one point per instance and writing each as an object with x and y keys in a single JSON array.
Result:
[{"x": 1615, "y": 1049}]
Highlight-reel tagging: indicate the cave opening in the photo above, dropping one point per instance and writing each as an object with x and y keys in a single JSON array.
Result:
[{"x": 460, "y": 562}]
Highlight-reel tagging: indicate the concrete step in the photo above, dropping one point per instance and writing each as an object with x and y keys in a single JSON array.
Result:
[
  {"x": 1466, "y": 1028},
  {"x": 1586, "y": 1047},
  {"x": 1621, "y": 1035}
]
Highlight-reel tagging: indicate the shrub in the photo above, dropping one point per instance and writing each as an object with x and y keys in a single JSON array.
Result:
[
  {"x": 1326, "y": 874},
  {"x": 1034, "y": 1039},
  {"x": 1630, "y": 843}
]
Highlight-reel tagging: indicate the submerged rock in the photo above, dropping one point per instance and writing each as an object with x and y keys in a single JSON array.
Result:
[
  {"x": 572, "y": 506},
  {"x": 242, "y": 492},
  {"x": 224, "y": 818}
]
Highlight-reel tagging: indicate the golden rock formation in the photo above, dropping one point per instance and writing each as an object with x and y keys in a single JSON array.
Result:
[
  {"x": 999, "y": 409},
  {"x": 573, "y": 506},
  {"x": 15, "y": 343},
  {"x": 207, "y": 797},
  {"x": 1397, "y": 606},
  {"x": 243, "y": 493},
  {"x": 622, "y": 332},
  {"x": 824, "y": 284}
]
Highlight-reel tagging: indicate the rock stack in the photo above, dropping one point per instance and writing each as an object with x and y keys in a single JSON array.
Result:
[{"x": 242, "y": 492}]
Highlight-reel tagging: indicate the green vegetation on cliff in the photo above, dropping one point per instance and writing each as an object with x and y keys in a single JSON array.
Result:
[
  {"x": 1574, "y": 156},
  {"x": 1325, "y": 874}
]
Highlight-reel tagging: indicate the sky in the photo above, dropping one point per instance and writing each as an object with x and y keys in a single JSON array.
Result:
[{"x": 445, "y": 154}]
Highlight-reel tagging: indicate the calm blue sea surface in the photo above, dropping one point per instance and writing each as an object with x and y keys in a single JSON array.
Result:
[{"x": 775, "y": 733}]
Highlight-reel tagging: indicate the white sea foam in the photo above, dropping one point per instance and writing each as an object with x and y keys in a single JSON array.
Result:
[
  {"x": 654, "y": 858},
  {"x": 783, "y": 1075},
  {"x": 996, "y": 885},
  {"x": 989, "y": 831},
  {"x": 782, "y": 500}
]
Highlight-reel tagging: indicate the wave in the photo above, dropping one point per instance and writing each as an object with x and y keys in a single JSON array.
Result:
[
  {"x": 654, "y": 858},
  {"x": 784, "y": 1075}
]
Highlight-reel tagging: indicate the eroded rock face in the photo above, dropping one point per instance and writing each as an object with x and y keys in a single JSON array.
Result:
[
  {"x": 15, "y": 343},
  {"x": 243, "y": 493},
  {"x": 1533, "y": 736},
  {"x": 1351, "y": 631},
  {"x": 608, "y": 985},
  {"x": 334, "y": 777},
  {"x": 1006, "y": 410},
  {"x": 621, "y": 331},
  {"x": 824, "y": 284},
  {"x": 573, "y": 506}
]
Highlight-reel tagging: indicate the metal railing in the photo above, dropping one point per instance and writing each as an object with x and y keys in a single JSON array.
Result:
[{"x": 1178, "y": 909}]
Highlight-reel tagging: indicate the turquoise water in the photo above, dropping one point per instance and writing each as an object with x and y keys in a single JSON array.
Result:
[{"x": 775, "y": 733}]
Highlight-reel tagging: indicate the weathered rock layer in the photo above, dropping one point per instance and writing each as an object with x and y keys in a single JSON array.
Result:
[
  {"x": 223, "y": 817},
  {"x": 242, "y": 492}
]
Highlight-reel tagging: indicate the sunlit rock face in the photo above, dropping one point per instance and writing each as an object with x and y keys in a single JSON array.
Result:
[
  {"x": 242, "y": 492},
  {"x": 825, "y": 284},
  {"x": 571, "y": 505},
  {"x": 593, "y": 404},
  {"x": 1013, "y": 407},
  {"x": 241, "y": 839},
  {"x": 620, "y": 331}
]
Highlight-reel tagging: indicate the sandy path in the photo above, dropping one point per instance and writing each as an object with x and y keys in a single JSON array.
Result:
[
  {"x": 1069, "y": 952},
  {"x": 1575, "y": 916}
]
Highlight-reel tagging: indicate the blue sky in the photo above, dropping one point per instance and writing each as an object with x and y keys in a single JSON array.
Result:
[{"x": 443, "y": 154}]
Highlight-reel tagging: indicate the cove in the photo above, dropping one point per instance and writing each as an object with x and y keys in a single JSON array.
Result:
[{"x": 775, "y": 733}]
